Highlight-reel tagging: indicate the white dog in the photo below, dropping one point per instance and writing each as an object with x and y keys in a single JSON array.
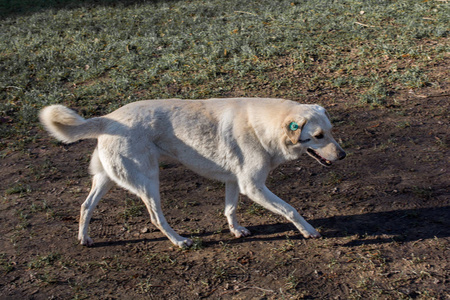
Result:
[{"x": 237, "y": 141}]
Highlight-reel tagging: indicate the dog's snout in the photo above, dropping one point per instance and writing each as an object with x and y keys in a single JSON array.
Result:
[{"x": 342, "y": 155}]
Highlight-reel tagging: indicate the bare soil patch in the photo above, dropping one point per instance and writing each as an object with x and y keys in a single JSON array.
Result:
[{"x": 384, "y": 213}]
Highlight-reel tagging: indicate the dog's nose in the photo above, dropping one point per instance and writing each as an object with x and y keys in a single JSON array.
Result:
[{"x": 342, "y": 155}]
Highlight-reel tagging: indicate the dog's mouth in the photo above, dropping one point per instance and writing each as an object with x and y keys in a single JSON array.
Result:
[{"x": 320, "y": 159}]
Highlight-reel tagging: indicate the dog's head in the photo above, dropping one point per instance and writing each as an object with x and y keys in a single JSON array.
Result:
[{"x": 310, "y": 131}]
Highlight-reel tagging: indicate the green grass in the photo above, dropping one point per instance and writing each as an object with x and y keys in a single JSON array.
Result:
[
  {"x": 133, "y": 208},
  {"x": 6, "y": 265},
  {"x": 18, "y": 188},
  {"x": 44, "y": 261},
  {"x": 97, "y": 56}
]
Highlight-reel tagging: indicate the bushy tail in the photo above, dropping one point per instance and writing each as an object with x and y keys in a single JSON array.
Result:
[{"x": 67, "y": 126}]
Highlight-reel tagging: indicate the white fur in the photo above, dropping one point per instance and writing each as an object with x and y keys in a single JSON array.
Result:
[{"x": 237, "y": 141}]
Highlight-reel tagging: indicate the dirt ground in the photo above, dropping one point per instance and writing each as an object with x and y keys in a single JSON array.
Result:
[{"x": 384, "y": 213}]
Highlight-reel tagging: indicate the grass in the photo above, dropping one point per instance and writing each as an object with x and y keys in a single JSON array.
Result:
[
  {"x": 133, "y": 208},
  {"x": 97, "y": 56},
  {"x": 197, "y": 243},
  {"x": 375, "y": 95},
  {"x": 18, "y": 188},
  {"x": 292, "y": 281},
  {"x": 6, "y": 265},
  {"x": 44, "y": 261}
]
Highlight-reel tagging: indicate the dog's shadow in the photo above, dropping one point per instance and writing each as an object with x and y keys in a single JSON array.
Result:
[
  {"x": 374, "y": 228},
  {"x": 126, "y": 242},
  {"x": 370, "y": 228}
]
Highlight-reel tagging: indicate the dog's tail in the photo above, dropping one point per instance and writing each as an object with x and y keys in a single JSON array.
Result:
[{"x": 67, "y": 126}]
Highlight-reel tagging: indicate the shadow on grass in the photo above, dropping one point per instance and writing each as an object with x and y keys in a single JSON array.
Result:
[
  {"x": 14, "y": 8},
  {"x": 371, "y": 228}
]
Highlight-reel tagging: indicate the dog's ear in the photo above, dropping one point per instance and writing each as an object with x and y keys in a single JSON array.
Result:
[{"x": 293, "y": 129}]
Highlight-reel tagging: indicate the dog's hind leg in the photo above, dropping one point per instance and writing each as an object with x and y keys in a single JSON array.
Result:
[
  {"x": 101, "y": 184},
  {"x": 151, "y": 198},
  {"x": 231, "y": 200},
  {"x": 141, "y": 177}
]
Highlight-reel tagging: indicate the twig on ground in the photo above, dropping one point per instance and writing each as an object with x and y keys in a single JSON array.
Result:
[
  {"x": 248, "y": 287},
  {"x": 364, "y": 25},
  {"x": 245, "y": 12}
]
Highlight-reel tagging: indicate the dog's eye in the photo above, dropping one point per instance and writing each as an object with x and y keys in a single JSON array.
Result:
[{"x": 319, "y": 136}]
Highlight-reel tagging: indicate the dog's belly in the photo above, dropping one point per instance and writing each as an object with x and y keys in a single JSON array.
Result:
[
  {"x": 211, "y": 171},
  {"x": 217, "y": 169}
]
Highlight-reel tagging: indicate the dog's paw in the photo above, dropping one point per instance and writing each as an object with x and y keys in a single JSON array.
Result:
[
  {"x": 86, "y": 241},
  {"x": 184, "y": 243},
  {"x": 240, "y": 231},
  {"x": 311, "y": 233},
  {"x": 315, "y": 234}
]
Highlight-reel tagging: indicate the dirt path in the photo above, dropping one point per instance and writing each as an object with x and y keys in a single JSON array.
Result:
[{"x": 384, "y": 213}]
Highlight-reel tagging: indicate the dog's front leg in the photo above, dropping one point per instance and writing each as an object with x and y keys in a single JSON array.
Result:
[
  {"x": 264, "y": 197},
  {"x": 231, "y": 200}
]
